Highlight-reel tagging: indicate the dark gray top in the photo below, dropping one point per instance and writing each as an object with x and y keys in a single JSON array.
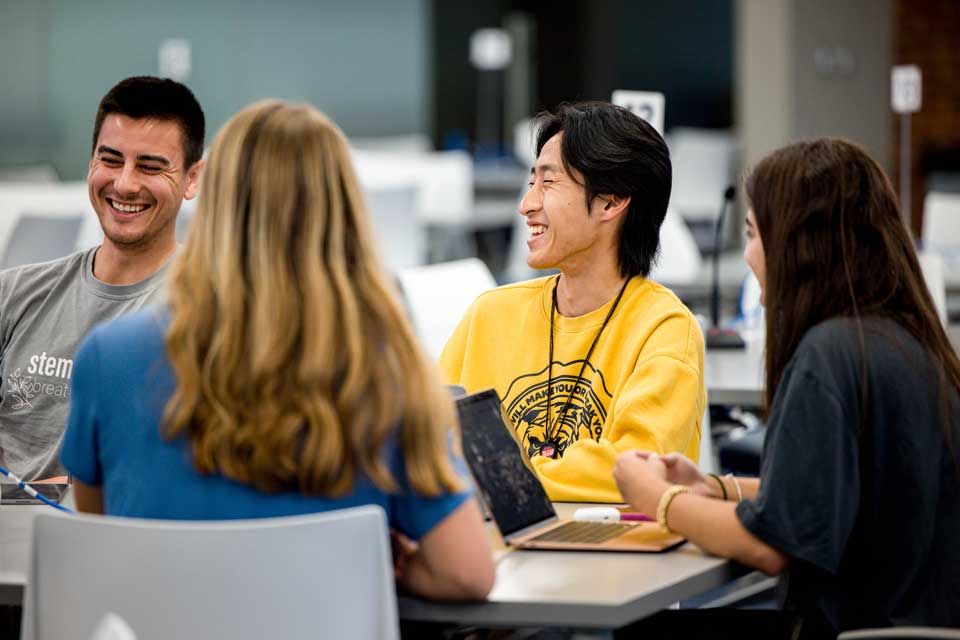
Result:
[{"x": 871, "y": 520}]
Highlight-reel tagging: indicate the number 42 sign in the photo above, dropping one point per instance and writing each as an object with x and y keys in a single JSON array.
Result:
[{"x": 646, "y": 104}]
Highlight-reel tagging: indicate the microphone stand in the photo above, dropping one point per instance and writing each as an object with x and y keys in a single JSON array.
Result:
[{"x": 718, "y": 338}]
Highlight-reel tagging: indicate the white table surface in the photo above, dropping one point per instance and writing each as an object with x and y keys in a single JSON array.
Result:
[
  {"x": 735, "y": 376},
  {"x": 589, "y": 590}
]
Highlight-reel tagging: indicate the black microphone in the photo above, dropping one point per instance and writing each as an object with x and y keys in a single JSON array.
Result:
[{"x": 717, "y": 338}]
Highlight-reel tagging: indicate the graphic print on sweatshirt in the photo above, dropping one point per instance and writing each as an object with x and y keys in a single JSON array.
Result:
[{"x": 525, "y": 402}]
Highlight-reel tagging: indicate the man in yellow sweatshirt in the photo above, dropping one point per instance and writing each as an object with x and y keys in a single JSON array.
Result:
[{"x": 598, "y": 359}]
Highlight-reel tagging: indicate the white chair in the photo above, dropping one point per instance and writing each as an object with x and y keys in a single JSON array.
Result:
[
  {"x": 680, "y": 261},
  {"x": 445, "y": 198},
  {"x": 39, "y": 239},
  {"x": 401, "y": 238},
  {"x": 525, "y": 142},
  {"x": 707, "y": 462},
  {"x": 941, "y": 222},
  {"x": 437, "y": 296},
  {"x": 37, "y": 174},
  {"x": 64, "y": 200},
  {"x": 403, "y": 143},
  {"x": 445, "y": 180},
  {"x": 704, "y": 165},
  {"x": 941, "y": 232},
  {"x": 320, "y": 575},
  {"x": 932, "y": 265}
]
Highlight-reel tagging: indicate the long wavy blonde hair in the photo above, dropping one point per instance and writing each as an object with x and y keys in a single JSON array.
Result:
[{"x": 295, "y": 364}]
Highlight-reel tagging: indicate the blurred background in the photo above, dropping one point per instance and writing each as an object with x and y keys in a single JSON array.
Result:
[{"x": 436, "y": 97}]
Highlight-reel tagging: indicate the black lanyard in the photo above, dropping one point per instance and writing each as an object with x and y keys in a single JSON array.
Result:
[{"x": 549, "y": 436}]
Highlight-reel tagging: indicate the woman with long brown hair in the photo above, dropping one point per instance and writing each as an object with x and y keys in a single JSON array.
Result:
[
  {"x": 283, "y": 378},
  {"x": 858, "y": 499}
]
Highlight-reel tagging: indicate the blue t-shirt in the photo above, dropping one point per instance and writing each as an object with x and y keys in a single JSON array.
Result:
[{"x": 122, "y": 380}]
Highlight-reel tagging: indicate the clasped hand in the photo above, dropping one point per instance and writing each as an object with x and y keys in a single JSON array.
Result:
[{"x": 643, "y": 476}]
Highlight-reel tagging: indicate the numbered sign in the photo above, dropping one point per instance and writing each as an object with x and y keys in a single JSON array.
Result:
[
  {"x": 906, "y": 88},
  {"x": 648, "y": 105}
]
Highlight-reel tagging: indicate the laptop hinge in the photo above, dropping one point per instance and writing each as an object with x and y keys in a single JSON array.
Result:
[{"x": 530, "y": 529}]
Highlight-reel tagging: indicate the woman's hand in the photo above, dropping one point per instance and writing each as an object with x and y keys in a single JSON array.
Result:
[
  {"x": 682, "y": 470},
  {"x": 403, "y": 549},
  {"x": 642, "y": 479}
]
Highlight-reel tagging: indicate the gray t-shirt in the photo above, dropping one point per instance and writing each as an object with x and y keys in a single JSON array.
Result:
[{"x": 45, "y": 310}]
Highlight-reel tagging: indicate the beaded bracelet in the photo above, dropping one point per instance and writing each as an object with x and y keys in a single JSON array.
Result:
[{"x": 664, "y": 504}]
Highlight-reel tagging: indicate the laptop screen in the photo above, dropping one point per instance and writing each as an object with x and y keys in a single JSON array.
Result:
[{"x": 513, "y": 494}]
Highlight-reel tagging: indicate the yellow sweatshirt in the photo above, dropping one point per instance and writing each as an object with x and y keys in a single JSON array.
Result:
[{"x": 642, "y": 388}]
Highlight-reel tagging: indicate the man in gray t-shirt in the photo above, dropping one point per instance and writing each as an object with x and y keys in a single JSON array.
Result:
[{"x": 146, "y": 159}]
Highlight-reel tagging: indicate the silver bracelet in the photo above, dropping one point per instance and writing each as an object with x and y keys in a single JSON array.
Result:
[{"x": 736, "y": 484}]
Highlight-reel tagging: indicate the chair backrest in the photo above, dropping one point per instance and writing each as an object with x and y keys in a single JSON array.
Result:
[
  {"x": 680, "y": 261},
  {"x": 445, "y": 180},
  {"x": 931, "y": 264},
  {"x": 941, "y": 223},
  {"x": 37, "y": 174},
  {"x": 437, "y": 296},
  {"x": 326, "y": 575},
  {"x": 40, "y": 238},
  {"x": 516, "y": 268},
  {"x": 704, "y": 165},
  {"x": 64, "y": 200},
  {"x": 401, "y": 238},
  {"x": 707, "y": 463},
  {"x": 403, "y": 143}
]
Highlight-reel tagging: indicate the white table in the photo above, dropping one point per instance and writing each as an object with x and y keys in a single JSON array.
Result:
[
  {"x": 594, "y": 592},
  {"x": 735, "y": 376}
]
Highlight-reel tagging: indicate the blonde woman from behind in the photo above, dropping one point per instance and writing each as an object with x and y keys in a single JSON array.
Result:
[{"x": 283, "y": 378}]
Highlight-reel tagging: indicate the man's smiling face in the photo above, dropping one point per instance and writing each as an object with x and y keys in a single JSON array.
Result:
[{"x": 137, "y": 180}]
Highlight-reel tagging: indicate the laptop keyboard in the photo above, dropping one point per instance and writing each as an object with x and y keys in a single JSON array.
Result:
[{"x": 584, "y": 532}]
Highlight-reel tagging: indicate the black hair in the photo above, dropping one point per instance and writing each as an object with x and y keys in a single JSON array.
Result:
[
  {"x": 617, "y": 153},
  {"x": 159, "y": 98}
]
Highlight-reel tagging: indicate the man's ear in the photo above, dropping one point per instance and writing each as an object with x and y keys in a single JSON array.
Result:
[
  {"x": 194, "y": 175},
  {"x": 613, "y": 207}
]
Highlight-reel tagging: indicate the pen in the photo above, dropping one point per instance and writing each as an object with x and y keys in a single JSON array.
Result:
[{"x": 633, "y": 515}]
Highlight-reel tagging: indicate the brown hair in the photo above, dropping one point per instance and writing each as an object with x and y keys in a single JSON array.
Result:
[
  {"x": 295, "y": 364},
  {"x": 836, "y": 245}
]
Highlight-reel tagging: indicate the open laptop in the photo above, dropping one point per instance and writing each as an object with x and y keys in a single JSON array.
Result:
[
  {"x": 13, "y": 494},
  {"x": 517, "y": 501}
]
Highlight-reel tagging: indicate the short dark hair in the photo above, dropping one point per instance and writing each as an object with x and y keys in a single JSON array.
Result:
[
  {"x": 159, "y": 98},
  {"x": 618, "y": 153}
]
